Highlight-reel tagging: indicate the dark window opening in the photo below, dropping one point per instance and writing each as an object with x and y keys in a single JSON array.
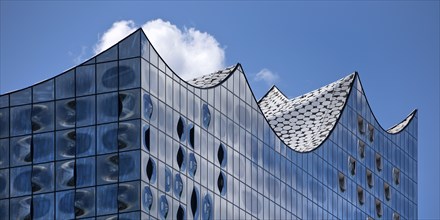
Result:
[
  {"x": 151, "y": 170},
  {"x": 378, "y": 208},
  {"x": 371, "y": 132},
  {"x": 370, "y": 180},
  {"x": 361, "y": 149},
  {"x": 180, "y": 128},
  {"x": 181, "y": 158},
  {"x": 361, "y": 126},
  {"x": 221, "y": 183},
  {"x": 191, "y": 137},
  {"x": 352, "y": 165},
  {"x": 341, "y": 178},
  {"x": 221, "y": 155},
  {"x": 396, "y": 176},
  {"x": 360, "y": 194},
  {"x": 147, "y": 139},
  {"x": 180, "y": 213},
  {"x": 396, "y": 216},
  {"x": 194, "y": 202},
  {"x": 378, "y": 162},
  {"x": 387, "y": 191}
]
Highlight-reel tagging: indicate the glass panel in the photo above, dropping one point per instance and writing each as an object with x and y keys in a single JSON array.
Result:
[
  {"x": 43, "y": 147},
  {"x": 21, "y": 208},
  {"x": 21, "y": 150},
  {"x": 43, "y": 91},
  {"x": 129, "y": 163},
  {"x": 129, "y": 104},
  {"x": 20, "y": 120},
  {"x": 128, "y": 135},
  {"x": 4, "y": 208},
  {"x": 65, "y": 113},
  {"x": 85, "y": 80},
  {"x": 21, "y": 97},
  {"x": 107, "y": 138},
  {"x": 85, "y": 141},
  {"x": 107, "y": 76},
  {"x": 130, "y": 46},
  {"x": 4, "y": 183},
  {"x": 129, "y": 73},
  {"x": 85, "y": 202},
  {"x": 108, "y": 167},
  {"x": 85, "y": 111},
  {"x": 64, "y": 85},
  {"x": 4, "y": 101},
  {"x": 108, "y": 107},
  {"x": 65, "y": 144},
  {"x": 145, "y": 47},
  {"x": 4, "y": 122},
  {"x": 43, "y": 178},
  {"x": 4, "y": 153},
  {"x": 108, "y": 55},
  {"x": 21, "y": 181},
  {"x": 85, "y": 172},
  {"x": 43, "y": 117},
  {"x": 107, "y": 202},
  {"x": 65, "y": 174},
  {"x": 65, "y": 205},
  {"x": 128, "y": 196}
]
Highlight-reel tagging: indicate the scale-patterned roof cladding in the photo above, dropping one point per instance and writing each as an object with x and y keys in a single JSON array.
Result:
[
  {"x": 212, "y": 79},
  {"x": 303, "y": 123}
]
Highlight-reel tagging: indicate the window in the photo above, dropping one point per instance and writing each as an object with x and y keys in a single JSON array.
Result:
[
  {"x": 361, "y": 149},
  {"x": 194, "y": 202},
  {"x": 221, "y": 155},
  {"x": 147, "y": 138},
  {"x": 396, "y": 216},
  {"x": 178, "y": 186},
  {"x": 370, "y": 180},
  {"x": 191, "y": 136},
  {"x": 181, "y": 129},
  {"x": 396, "y": 176},
  {"x": 206, "y": 115},
  {"x": 148, "y": 198},
  {"x": 352, "y": 165},
  {"x": 207, "y": 208},
  {"x": 361, "y": 126},
  {"x": 360, "y": 194},
  {"x": 180, "y": 215},
  {"x": 181, "y": 158},
  {"x": 221, "y": 183},
  {"x": 163, "y": 207},
  {"x": 387, "y": 191},
  {"x": 370, "y": 132},
  {"x": 341, "y": 178},
  {"x": 192, "y": 165},
  {"x": 168, "y": 179},
  {"x": 378, "y": 208},
  {"x": 378, "y": 162},
  {"x": 151, "y": 170},
  {"x": 148, "y": 106}
]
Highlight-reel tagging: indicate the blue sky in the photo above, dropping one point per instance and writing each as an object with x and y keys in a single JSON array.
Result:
[{"x": 394, "y": 45}]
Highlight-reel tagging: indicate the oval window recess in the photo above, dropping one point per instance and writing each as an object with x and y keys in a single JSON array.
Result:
[
  {"x": 206, "y": 116},
  {"x": 180, "y": 215},
  {"x": 163, "y": 207},
  {"x": 168, "y": 179},
  {"x": 181, "y": 129},
  {"x": 148, "y": 106},
  {"x": 195, "y": 203},
  {"x": 221, "y": 183},
  {"x": 221, "y": 155},
  {"x": 151, "y": 170},
  {"x": 148, "y": 198},
  {"x": 207, "y": 207},
  {"x": 341, "y": 178},
  {"x": 181, "y": 158},
  {"x": 192, "y": 165},
  {"x": 178, "y": 186}
]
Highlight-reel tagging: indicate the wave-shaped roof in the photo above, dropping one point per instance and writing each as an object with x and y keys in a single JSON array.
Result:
[
  {"x": 304, "y": 122},
  {"x": 212, "y": 79}
]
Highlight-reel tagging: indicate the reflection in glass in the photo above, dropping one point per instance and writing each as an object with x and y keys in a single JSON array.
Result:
[
  {"x": 206, "y": 115},
  {"x": 108, "y": 168},
  {"x": 85, "y": 141},
  {"x": 107, "y": 138},
  {"x": 20, "y": 123},
  {"x": 107, "y": 107},
  {"x": 21, "y": 181},
  {"x": 4, "y": 153},
  {"x": 85, "y": 172},
  {"x": 65, "y": 144},
  {"x": 147, "y": 106},
  {"x": 108, "y": 55},
  {"x": 85, "y": 202},
  {"x": 192, "y": 165},
  {"x": 85, "y": 111},
  {"x": 66, "y": 113},
  {"x": 178, "y": 186},
  {"x": 64, "y": 86},
  {"x": 42, "y": 117},
  {"x": 21, "y": 152},
  {"x": 128, "y": 166},
  {"x": 128, "y": 105},
  {"x": 129, "y": 73},
  {"x": 4, "y": 123},
  {"x": 42, "y": 178},
  {"x": 107, "y": 77},
  {"x": 128, "y": 196},
  {"x": 147, "y": 200},
  {"x": 107, "y": 199},
  {"x": 85, "y": 80},
  {"x": 21, "y": 208},
  {"x": 128, "y": 135},
  {"x": 4, "y": 183},
  {"x": 21, "y": 97},
  {"x": 163, "y": 207},
  {"x": 129, "y": 47},
  {"x": 65, "y": 175},
  {"x": 168, "y": 179},
  {"x": 43, "y": 206},
  {"x": 207, "y": 207},
  {"x": 43, "y": 91}
]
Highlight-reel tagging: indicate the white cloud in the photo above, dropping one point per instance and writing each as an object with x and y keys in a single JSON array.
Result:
[
  {"x": 189, "y": 52},
  {"x": 267, "y": 76}
]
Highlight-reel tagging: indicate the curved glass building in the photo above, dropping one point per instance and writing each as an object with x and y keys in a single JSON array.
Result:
[{"x": 121, "y": 136}]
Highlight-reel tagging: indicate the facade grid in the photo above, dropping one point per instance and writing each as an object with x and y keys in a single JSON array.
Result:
[{"x": 121, "y": 136}]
